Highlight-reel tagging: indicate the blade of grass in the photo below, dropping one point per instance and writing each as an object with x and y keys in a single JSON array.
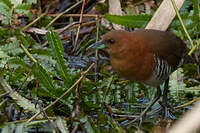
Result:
[{"x": 181, "y": 21}]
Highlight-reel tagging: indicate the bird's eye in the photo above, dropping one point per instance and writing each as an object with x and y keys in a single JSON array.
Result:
[{"x": 111, "y": 41}]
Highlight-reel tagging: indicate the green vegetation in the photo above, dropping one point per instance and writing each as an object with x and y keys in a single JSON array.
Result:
[{"x": 41, "y": 72}]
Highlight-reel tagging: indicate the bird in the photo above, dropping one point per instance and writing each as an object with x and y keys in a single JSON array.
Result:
[{"x": 145, "y": 56}]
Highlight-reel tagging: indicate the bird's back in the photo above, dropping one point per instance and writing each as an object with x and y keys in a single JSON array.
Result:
[{"x": 166, "y": 45}]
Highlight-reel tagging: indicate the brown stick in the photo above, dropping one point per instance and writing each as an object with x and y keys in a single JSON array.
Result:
[
  {"x": 79, "y": 27},
  {"x": 164, "y": 15},
  {"x": 77, "y": 15}
]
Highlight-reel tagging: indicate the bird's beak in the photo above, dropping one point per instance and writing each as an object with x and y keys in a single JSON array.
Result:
[{"x": 97, "y": 45}]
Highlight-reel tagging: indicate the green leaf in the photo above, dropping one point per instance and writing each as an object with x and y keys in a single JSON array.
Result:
[
  {"x": 4, "y": 10},
  {"x": 176, "y": 83},
  {"x": 185, "y": 6},
  {"x": 48, "y": 63},
  {"x": 196, "y": 10},
  {"x": 196, "y": 16},
  {"x": 132, "y": 21},
  {"x": 24, "y": 39},
  {"x": 20, "y": 128},
  {"x": 45, "y": 79},
  {"x": 3, "y": 54},
  {"x": 31, "y": 1},
  {"x": 12, "y": 48},
  {"x": 4, "y": 33},
  {"x": 9, "y": 129},
  {"x": 87, "y": 122},
  {"x": 7, "y": 3},
  {"x": 22, "y": 9},
  {"x": 115, "y": 126},
  {"x": 20, "y": 100},
  {"x": 62, "y": 125},
  {"x": 58, "y": 54},
  {"x": 17, "y": 76},
  {"x": 195, "y": 89}
]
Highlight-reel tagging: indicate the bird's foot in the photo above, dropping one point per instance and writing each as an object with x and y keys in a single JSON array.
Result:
[
  {"x": 167, "y": 111},
  {"x": 135, "y": 118},
  {"x": 141, "y": 116}
]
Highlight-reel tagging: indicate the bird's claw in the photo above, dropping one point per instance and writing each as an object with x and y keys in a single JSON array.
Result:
[
  {"x": 137, "y": 118},
  {"x": 168, "y": 110}
]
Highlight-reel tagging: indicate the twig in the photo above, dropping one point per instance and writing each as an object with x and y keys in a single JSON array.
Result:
[
  {"x": 47, "y": 117},
  {"x": 188, "y": 103},
  {"x": 67, "y": 10},
  {"x": 66, "y": 27},
  {"x": 68, "y": 90},
  {"x": 39, "y": 6},
  {"x": 4, "y": 94},
  {"x": 28, "y": 54},
  {"x": 37, "y": 19},
  {"x": 77, "y": 15},
  {"x": 96, "y": 52},
  {"x": 75, "y": 129},
  {"x": 25, "y": 120},
  {"x": 33, "y": 22},
  {"x": 60, "y": 31},
  {"x": 79, "y": 27},
  {"x": 27, "y": 76},
  {"x": 194, "y": 48}
]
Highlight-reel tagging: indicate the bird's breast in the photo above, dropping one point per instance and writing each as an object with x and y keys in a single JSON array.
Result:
[{"x": 134, "y": 66}]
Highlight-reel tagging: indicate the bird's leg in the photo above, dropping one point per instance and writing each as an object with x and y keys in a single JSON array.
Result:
[
  {"x": 156, "y": 97},
  {"x": 164, "y": 99},
  {"x": 141, "y": 116},
  {"x": 165, "y": 105}
]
